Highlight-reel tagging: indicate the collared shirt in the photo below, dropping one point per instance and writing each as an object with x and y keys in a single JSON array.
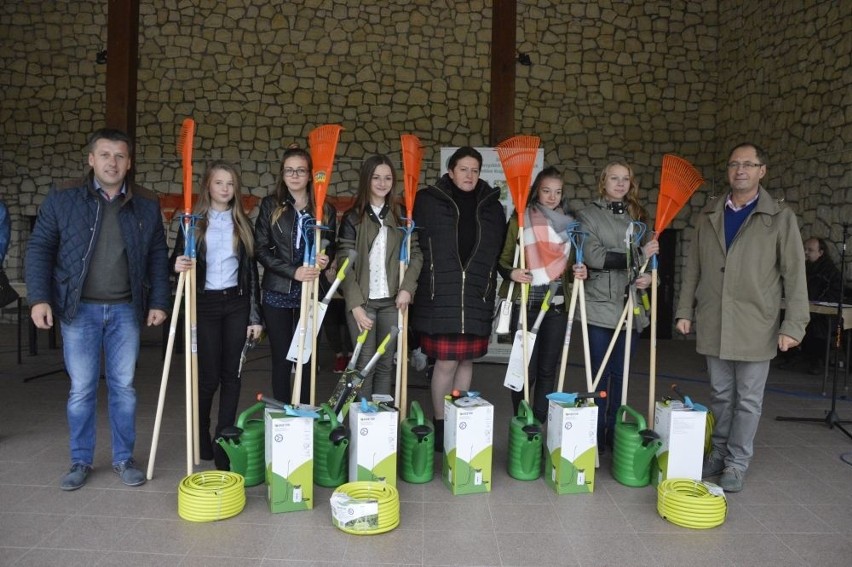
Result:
[
  {"x": 378, "y": 271},
  {"x": 222, "y": 262},
  {"x": 729, "y": 202},
  {"x": 99, "y": 188}
]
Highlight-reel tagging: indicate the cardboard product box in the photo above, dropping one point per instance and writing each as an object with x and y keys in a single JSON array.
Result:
[
  {"x": 372, "y": 444},
  {"x": 571, "y": 447},
  {"x": 468, "y": 445},
  {"x": 289, "y": 447},
  {"x": 681, "y": 429}
]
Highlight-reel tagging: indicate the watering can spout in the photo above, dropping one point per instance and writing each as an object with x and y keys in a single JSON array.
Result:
[
  {"x": 644, "y": 454},
  {"x": 237, "y": 453},
  {"x": 635, "y": 447}
]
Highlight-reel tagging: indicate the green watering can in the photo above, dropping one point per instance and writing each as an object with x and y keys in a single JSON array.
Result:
[
  {"x": 634, "y": 447},
  {"x": 243, "y": 443},
  {"x": 331, "y": 441},
  {"x": 417, "y": 454},
  {"x": 525, "y": 445}
]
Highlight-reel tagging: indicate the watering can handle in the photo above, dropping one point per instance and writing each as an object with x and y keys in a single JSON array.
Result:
[
  {"x": 417, "y": 413},
  {"x": 525, "y": 412},
  {"x": 326, "y": 409},
  {"x": 640, "y": 420},
  {"x": 259, "y": 406}
]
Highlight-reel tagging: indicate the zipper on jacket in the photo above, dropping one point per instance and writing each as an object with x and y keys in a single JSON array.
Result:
[
  {"x": 488, "y": 285},
  {"x": 464, "y": 276},
  {"x": 473, "y": 252},
  {"x": 431, "y": 270},
  {"x": 87, "y": 257}
]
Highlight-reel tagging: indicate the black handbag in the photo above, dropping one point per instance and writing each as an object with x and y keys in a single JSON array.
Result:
[{"x": 7, "y": 292}]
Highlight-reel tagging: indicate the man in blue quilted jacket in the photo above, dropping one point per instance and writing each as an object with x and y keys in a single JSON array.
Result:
[{"x": 97, "y": 261}]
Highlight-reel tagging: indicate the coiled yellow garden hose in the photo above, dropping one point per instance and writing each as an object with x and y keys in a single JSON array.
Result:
[
  {"x": 691, "y": 503},
  {"x": 211, "y": 496},
  {"x": 365, "y": 508}
]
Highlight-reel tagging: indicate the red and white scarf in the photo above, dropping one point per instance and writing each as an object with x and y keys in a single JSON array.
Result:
[{"x": 546, "y": 243}]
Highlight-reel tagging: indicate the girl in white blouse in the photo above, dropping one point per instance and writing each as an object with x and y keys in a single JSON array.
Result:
[{"x": 373, "y": 293}]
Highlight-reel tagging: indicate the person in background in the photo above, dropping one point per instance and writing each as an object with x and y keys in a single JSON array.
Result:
[
  {"x": 612, "y": 274},
  {"x": 746, "y": 255},
  {"x": 461, "y": 227},
  {"x": 97, "y": 260},
  {"x": 546, "y": 222},
  {"x": 280, "y": 248},
  {"x": 5, "y": 231},
  {"x": 374, "y": 294},
  {"x": 228, "y": 297},
  {"x": 824, "y": 284}
]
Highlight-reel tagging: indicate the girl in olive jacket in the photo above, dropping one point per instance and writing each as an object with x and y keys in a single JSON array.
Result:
[{"x": 373, "y": 293}]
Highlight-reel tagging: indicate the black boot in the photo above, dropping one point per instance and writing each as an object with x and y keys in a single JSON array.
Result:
[{"x": 439, "y": 434}]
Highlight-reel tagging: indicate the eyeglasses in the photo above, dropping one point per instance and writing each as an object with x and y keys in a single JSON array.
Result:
[
  {"x": 744, "y": 165},
  {"x": 298, "y": 172}
]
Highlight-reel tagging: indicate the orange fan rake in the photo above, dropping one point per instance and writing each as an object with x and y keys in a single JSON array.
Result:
[
  {"x": 184, "y": 148},
  {"x": 412, "y": 158},
  {"x": 323, "y": 143},
  {"x": 678, "y": 181},
  {"x": 517, "y": 156}
]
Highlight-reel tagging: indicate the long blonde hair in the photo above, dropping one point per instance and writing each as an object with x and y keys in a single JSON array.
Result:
[
  {"x": 636, "y": 211},
  {"x": 243, "y": 233}
]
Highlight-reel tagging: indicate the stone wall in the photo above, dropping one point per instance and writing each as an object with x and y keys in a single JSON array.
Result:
[
  {"x": 787, "y": 71},
  {"x": 608, "y": 79}
]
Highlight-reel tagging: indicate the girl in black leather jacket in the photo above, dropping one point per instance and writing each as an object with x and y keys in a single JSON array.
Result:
[{"x": 280, "y": 250}]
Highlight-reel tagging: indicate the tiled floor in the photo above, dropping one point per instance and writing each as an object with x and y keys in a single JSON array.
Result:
[{"x": 796, "y": 508}]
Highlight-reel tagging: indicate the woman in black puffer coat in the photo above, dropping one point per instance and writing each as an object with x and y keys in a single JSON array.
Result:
[{"x": 461, "y": 226}]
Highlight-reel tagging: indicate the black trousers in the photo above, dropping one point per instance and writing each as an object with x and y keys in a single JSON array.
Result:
[
  {"x": 223, "y": 320},
  {"x": 281, "y": 325}
]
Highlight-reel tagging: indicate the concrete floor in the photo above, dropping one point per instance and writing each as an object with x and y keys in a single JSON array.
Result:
[{"x": 796, "y": 508}]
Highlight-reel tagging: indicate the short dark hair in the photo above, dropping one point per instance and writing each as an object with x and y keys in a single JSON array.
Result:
[
  {"x": 461, "y": 153},
  {"x": 762, "y": 156},
  {"x": 111, "y": 134}
]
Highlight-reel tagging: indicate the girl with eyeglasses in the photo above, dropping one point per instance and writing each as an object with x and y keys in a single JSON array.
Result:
[
  {"x": 228, "y": 297},
  {"x": 374, "y": 296},
  {"x": 280, "y": 250}
]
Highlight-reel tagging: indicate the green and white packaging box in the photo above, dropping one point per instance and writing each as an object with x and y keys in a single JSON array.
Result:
[
  {"x": 571, "y": 447},
  {"x": 681, "y": 429},
  {"x": 289, "y": 444},
  {"x": 372, "y": 444},
  {"x": 468, "y": 445}
]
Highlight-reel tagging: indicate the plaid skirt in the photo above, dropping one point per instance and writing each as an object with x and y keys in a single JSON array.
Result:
[{"x": 454, "y": 346}]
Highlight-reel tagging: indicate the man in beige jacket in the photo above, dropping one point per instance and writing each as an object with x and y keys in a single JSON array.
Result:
[{"x": 746, "y": 255}]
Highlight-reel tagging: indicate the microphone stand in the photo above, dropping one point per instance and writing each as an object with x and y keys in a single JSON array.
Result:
[{"x": 831, "y": 418}]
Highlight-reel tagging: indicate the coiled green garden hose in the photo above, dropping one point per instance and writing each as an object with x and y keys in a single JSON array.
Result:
[
  {"x": 691, "y": 504},
  {"x": 365, "y": 507},
  {"x": 211, "y": 496}
]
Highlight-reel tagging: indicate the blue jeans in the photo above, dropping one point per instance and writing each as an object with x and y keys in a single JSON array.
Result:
[
  {"x": 113, "y": 330},
  {"x": 612, "y": 377}
]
